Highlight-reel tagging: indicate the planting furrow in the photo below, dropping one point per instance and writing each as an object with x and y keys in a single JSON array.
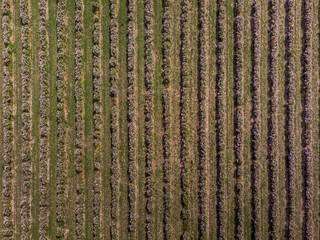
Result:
[
  {"x": 79, "y": 121},
  {"x": 221, "y": 119},
  {"x": 61, "y": 120},
  {"x": 289, "y": 120},
  {"x": 203, "y": 119},
  {"x": 306, "y": 119},
  {"x": 273, "y": 181},
  {"x": 256, "y": 122},
  {"x": 25, "y": 204},
  {"x": 8, "y": 226},
  {"x": 44, "y": 121},
  {"x": 114, "y": 117},
  {"x": 97, "y": 120},
  {"x": 166, "y": 104},
  {"x": 184, "y": 118},
  {"x": 148, "y": 111},
  {"x": 238, "y": 118},
  {"x": 132, "y": 132}
]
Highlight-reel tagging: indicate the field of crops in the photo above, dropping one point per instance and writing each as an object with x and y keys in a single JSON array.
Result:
[{"x": 160, "y": 119}]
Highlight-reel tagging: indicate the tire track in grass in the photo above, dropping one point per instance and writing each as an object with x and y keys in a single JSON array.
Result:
[
  {"x": 221, "y": 119},
  {"x": 114, "y": 78},
  {"x": 256, "y": 122},
  {"x": 44, "y": 121},
  {"x": 166, "y": 103},
  {"x": 97, "y": 120},
  {"x": 8, "y": 226},
  {"x": 79, "y": 121},
  {"x": 306, "y": 119},
  {"x": 132, "y": 118},
  {"x": 290, "y": 120},
  {"x": 203, "y": 65},
  {"x": 148, "y": 111},
  {"x": 61, "y": 121},
  {"x": 238, "y": 119},
  {"x": 273, "y": 181},
  {"x": 185, "y": 162},
  {"x": 25, "y": 203}
]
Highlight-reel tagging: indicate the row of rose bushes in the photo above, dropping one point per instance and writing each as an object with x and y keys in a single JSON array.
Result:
[
  {"x": 307, "y": 119},
  {"x": 61, "y": 120},
  {"x": 166, "y": 99},
  {"x": 26, "y": 119},
  {"x": 97, "y": 119},
  {"x": 238, "y": 118},
  {"x": 289, "y": 118},
  {"x": 273, "y": 184},
  {"x": 44, "y": 120},
  {"x": 132, "y": 132},
  {"x": 79, "y": 121},
  {"x": 203, "y": 117},
  {"x": 221, "y": 118},
  {"x": 256, "y": 119},
  {"x": 7, "y": 124},
  {"x": 148, "y": 111},
  {"x": 185, "y": 161},
  {"x": 114, "y": 127}
]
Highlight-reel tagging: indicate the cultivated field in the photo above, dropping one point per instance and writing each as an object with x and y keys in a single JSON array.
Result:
[{"x": 160, "y": 119}]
